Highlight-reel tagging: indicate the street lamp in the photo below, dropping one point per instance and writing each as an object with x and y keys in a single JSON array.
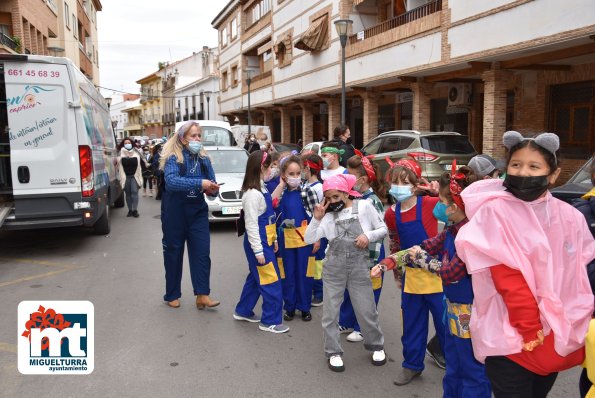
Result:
[
  {"x": 248, "y": 73},
  {"x": 208, "y": 97},
  {"x": 342, "y": 26},
  {"x": 108, "y": 100}
]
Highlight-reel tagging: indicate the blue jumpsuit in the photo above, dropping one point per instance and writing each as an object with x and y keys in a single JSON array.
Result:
[
  {"x": 347, "y": 315},
  {"x": 263, "y": 280},
  {"x": 465, "y": 377},
  {"x": 414, "y": 303},
  {"x": 299, "y": 268},
  {"x": 185, "y": 220}
]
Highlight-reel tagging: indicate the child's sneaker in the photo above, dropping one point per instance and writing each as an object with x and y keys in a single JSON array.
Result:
[
  {"x": 252, "y": 318},
  {"x": 288, "y": 316},
  {"x": 335, "y": 363},
  {"x": 273, "y": 328},
  {"x": 317, "y": 302},
  {"x": 378, "y": 358},
  {"x": 355, "y": 337},
  {"x": 434, "y": 351},
  {"x": 344, "y": 330}
]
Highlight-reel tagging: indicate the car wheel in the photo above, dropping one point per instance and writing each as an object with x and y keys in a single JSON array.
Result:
[{"x": 103, "y": 225}]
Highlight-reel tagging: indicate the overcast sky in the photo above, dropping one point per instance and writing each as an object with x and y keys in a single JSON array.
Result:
[{"x": 134, "y": 35}]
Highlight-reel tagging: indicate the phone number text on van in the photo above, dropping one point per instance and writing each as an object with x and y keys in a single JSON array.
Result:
[{"x": 33, "y": 73}]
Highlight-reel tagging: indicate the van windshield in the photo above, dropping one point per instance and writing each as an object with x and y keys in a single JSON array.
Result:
[
  {"x": 451, "y": 144},
  {"x": 216, "y": 136},
  {"x": 228, "y": 161}
]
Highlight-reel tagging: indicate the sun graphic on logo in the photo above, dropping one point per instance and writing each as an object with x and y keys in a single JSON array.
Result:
[{"x": 30, "y": 99}]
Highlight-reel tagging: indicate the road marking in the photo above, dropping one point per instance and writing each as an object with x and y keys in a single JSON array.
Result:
[
  {"x": 64, "y": 267},
  {"x": 6, "y": 347}
]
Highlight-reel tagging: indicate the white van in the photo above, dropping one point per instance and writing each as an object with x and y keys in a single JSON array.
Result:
[
  {"x": 214, "y": 132},
  {"x": 58, "y": 156}
]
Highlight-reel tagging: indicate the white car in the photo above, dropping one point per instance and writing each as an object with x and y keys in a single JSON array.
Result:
[
  {"x": 229, "y": 164},
  {"x": 214, "y": 132},
  {"x": 313, "y": 147}
]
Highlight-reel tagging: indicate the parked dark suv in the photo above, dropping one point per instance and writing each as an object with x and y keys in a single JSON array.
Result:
[{"x": 434, "y": 151}]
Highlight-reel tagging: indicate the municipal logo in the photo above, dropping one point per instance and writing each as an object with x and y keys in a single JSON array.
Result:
[{"x": 56, "y": 337}]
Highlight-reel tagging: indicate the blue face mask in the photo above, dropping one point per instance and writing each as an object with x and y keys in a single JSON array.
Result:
[
  {"x": 128, "y": 146},
  {"x": 400, "y": 192},
  {"x": 440, "y": 212},
  {"x": 194, "y": 146}
]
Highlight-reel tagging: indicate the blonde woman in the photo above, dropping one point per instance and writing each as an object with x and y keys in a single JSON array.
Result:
[
  {"x": 188, "y": 175},
  {"x": 130, "y": 174}
]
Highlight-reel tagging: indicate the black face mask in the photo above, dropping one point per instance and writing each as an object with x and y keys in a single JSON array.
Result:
[
  {"x": 526, "y": 188},
  {"x": 337, "y": 206}
]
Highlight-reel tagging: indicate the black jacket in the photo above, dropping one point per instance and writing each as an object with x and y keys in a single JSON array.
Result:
[
  {"x": 251, "y": 147},
  {"x": 348, "y": 148}
]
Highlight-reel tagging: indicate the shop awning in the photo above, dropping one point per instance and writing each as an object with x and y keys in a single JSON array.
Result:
[{"x": 314, "y": 38}]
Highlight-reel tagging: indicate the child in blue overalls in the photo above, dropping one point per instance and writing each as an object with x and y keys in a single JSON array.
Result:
[
  {"x": 298, "y": 262},
  {"x": 260, "y": 244},
  {"x": 368, "y": 185},
  {"x": 410, "y": 221},
  {"x": 465, "y": 377},
  {"x": 311, "y": 196}
]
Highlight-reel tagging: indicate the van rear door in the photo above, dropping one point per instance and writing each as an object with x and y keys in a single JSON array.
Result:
[{"x": 43, "y": 139}]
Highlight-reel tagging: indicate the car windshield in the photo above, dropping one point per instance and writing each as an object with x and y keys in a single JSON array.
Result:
[
  {"x": 228, "y": 161},
  {"x": 448, "y": 144},
  {"x": 584, "y": 174},
  {"x": 216, "y": 136}
]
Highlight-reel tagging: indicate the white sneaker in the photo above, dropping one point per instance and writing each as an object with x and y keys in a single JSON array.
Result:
[
  {"x": 355, "y": 337},
  {"x": 344, "y": 330},
  {"x": 335, "y": 363},
  {"x": 378, "y": 358},
  {"x": 273, "y": 328},
  {"x": 252, "y": 318}
]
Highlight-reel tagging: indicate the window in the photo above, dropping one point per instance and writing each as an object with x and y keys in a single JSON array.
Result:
[
  {"x": 67, "y": 15},
  {"x": 257, "y": 11},
  {"x": 224, "y": 37},
  {"x": 234, "y": 28},
  {"x": 224, "y": 81},
  {"x": 234, "y": 76},
  {"x": 5, "y": 30},
  {"x": 75, "y": 27}
]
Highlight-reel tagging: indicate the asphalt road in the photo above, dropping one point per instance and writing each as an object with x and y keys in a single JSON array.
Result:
[{"x": 143, "y": 347}]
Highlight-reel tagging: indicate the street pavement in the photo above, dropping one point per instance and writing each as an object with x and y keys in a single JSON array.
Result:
[{"x": 143, "y": 347}]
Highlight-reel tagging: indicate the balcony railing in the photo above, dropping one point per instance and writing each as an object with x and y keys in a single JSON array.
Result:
[
  {"x": 8, "y": 42},
  {"x": 417, "y": 13}
]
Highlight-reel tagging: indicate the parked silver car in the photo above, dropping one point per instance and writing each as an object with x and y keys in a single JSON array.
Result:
[{"x": 229, "y": 164}]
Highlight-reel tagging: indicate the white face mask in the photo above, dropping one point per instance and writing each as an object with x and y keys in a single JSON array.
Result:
[
  {"x": 274, "y": 172},
  {"x": 294, "y": 182}
]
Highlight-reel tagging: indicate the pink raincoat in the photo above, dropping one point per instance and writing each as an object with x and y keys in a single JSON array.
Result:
[{"x": 548, "y": 241}]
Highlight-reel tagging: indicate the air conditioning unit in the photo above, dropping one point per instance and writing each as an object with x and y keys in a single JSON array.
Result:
[{"x": 459, "y": 94}]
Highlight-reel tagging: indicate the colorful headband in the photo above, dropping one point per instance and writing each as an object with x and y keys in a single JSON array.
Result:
[
  {"x": 312, "y": 165},
  {"x": 454, "y": 187},
  {"x": 264, "y": 158},
  {"x": 343, "y": 183},
  {"x": 330, "y": 149},
  {"x": 367, "y": 166}
]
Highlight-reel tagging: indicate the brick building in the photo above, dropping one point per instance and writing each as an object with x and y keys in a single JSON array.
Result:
[
  {"x": 476, "y": 67},
  {"x": 63, "y": 28}
]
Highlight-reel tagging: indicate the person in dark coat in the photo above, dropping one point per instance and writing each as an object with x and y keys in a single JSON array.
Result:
[
  {"x": 342, "y": 136},
  {"x": 251, "y": 144}
]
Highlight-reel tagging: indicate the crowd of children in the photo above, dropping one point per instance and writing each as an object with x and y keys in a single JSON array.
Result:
[{"x": 510, "y": 300}]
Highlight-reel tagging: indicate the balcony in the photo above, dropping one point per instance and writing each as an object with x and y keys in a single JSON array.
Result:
[
  {"x": 259, "y": 81},
  {"x": 411, "y": 23},
  {"x": 8, "y": 42}
]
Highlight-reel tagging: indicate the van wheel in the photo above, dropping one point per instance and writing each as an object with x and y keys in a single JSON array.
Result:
[
  {"x": 103, "y": 225},
  {"x": 120, "y": 201}
]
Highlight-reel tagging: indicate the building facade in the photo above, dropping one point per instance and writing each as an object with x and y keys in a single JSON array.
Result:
[
  {"x": 134, "y": 120},
  {"x": 476, "y": 67},
  {"x": 119, "y": 118},
  {"x": 152, "y": 105},
  {"x": 63, "y": 28}
]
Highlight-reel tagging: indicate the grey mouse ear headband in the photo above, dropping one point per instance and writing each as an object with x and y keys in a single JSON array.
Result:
[{"x": 548, "y": 141}]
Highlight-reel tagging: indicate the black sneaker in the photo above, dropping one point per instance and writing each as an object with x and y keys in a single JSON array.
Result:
[
  {"x": 317, "y": 302},
  {"x": 288, "y": 316},
  {"x": 129, "y": 213},
  {"x": 434, "y": 351},
  {"x": 135, "y": 214},
  {"x": 306, "y": 316}
]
